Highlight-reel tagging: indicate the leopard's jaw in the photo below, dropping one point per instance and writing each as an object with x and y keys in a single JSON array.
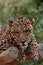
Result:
[{"x": 24, "y": 47}]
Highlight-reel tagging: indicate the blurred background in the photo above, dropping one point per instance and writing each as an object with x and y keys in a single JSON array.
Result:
[{"x": 10, "y": 9}]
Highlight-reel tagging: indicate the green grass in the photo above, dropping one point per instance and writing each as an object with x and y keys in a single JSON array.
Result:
[{"x": 33, "y": 63}]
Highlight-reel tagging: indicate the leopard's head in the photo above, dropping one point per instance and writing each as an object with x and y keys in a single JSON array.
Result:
[{"x": 21, "y": 30}]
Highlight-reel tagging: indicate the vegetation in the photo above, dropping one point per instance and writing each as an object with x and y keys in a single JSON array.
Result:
[{"x": 29, "y": 9}]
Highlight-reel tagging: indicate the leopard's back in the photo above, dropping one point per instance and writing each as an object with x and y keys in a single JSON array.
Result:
[{"x": 3, "y": 41}]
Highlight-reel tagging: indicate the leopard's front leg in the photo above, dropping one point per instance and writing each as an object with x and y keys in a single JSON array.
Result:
[
  {"x": 21, "y": 56},
  {"x": 34, "y": 49}
]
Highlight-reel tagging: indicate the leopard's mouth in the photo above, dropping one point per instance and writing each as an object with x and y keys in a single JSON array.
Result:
[{"x": 24, "y": 45}]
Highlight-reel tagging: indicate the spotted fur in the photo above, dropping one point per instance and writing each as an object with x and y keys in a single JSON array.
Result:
[{"x": 19, "y": 33}]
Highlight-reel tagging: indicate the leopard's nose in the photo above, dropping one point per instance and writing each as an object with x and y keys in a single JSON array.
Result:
[{"x": 23, "y": 42}]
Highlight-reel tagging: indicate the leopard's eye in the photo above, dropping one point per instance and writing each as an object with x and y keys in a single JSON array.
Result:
[
  {"x": 17, "y": 32},
  {"x": 27, "y": 32}
]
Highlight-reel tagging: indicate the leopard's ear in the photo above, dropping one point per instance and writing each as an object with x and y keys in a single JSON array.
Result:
[
  {"x": 10, "y": 22},
  {"x": 32, "y": 21}
]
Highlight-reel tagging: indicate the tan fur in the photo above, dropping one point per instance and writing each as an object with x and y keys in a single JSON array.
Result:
[{"x": 19, "y": 32}]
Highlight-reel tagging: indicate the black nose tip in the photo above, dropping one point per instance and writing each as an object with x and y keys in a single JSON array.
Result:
[{"x": 23, "y": 43}]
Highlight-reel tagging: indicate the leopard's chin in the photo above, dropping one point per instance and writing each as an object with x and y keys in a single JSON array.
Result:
[{"x": 24, "y": 47}]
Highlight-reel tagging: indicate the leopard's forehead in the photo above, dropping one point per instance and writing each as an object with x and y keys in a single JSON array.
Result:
[{"x": 22, "y": 23}]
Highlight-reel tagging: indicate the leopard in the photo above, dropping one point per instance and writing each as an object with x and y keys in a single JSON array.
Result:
[{"x": 19, "y": 33}]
